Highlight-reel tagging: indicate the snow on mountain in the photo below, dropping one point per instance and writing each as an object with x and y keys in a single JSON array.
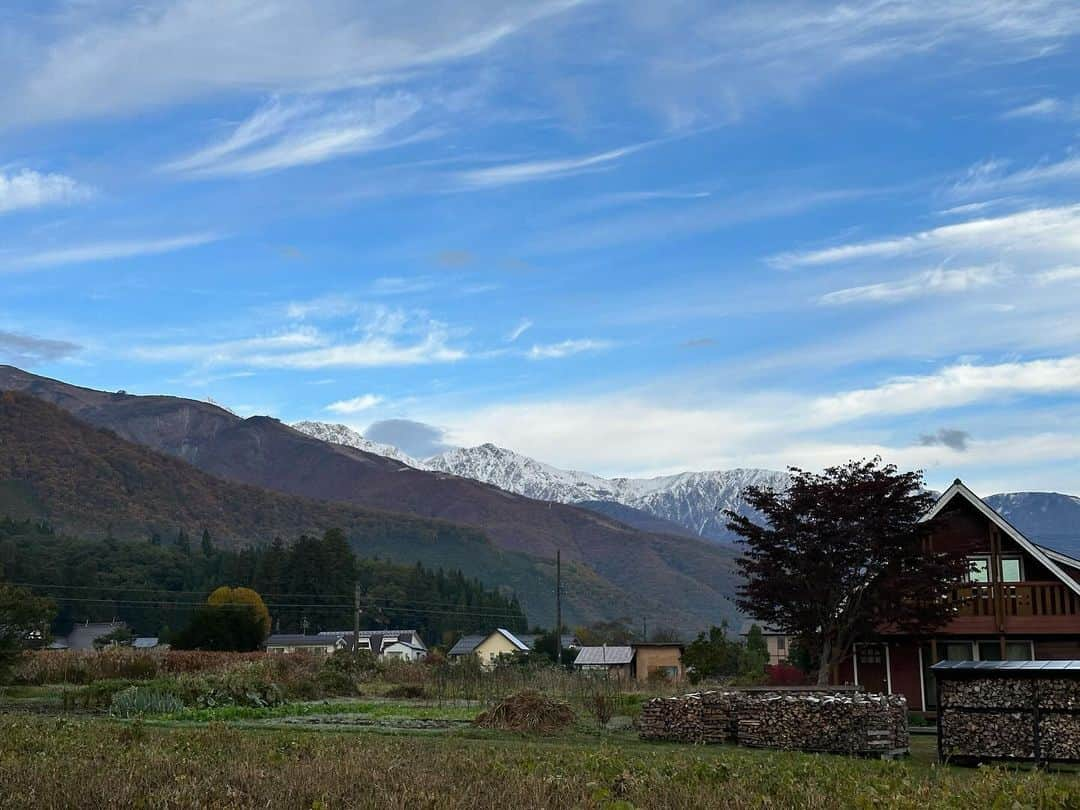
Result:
[
  {"x": 694, "y": 500},
  {"x": 523, "y": 475},
  {"x": 341, "y": 434}
]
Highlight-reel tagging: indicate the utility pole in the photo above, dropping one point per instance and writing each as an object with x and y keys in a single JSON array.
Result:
[
  {"x": 558, "y": 606},
  {"x": 356, "y": 621}
]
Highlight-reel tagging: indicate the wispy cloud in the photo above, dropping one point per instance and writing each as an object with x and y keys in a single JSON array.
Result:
[
  {"x": 993, "y": 176},
  {"x": 1059, "y": 274},
  {"x": 25, "y": 349},
  {"x": 1036, "y": 230},
  {"x": 524, "y": 325},
  {"x": 229, "y": 351},
  {"x": 401, "y": 285},
  {"x": 1045, "y": 108},
  {"x": 530, "y": 171},
  {"x": 389, "y": 338},
  {"x": 566, "y": 348},
  {"x": 122, "y": 59},
  {"x": 30, "y": 189},
  {"x": 108, "y": 251},
  {"x": 364, "y": 402},
  {"x": 951, "y": 387},
  {"x": 932, "y": 282},
  {"x": 280, "y": 135}
]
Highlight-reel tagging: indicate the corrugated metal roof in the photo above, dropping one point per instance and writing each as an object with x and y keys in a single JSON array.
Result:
[
  {"x": 517, "y": 642},
  {"x": 298, "y": 640},
  {"x": 599, "y": 656},
  {"x": 466, "y": 644},
  {"x": 1007, "y": 667}
]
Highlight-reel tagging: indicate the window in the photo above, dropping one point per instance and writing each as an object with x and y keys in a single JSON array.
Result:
[
  {"x": 1014, "y": 651},
  {"x": 870, "y": 654},
  {"x": 781, "y": 643},
  {"x": 1012, "y": 569},
  {"x": 979, "y": 570}
]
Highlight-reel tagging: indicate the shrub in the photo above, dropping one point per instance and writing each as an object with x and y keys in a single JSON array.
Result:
[
  {"x": 785, "y": 675},
  {"x": 140, "y": 700},
  {"x": 96, "y": 695},
  {"x": 412, "y": 691}
]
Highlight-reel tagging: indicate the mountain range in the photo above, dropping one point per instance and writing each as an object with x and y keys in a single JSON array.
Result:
[
  {"x": 611, "y": 570},
  {"x": 690, "y": 503}
]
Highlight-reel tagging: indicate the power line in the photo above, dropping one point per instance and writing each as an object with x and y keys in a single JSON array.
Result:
[{"x": 203, "y": 594}]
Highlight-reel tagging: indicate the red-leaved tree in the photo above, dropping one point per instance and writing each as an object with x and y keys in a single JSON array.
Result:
[{"x": 840, "y": 557}]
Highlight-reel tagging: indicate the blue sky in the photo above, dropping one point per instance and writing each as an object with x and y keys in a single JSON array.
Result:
[{"x": 632, "y": 238}]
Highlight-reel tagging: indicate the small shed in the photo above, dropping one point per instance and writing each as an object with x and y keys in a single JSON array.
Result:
[
  {"x": 1008, "y": 710},
  {"x": 614, "y": 660}
]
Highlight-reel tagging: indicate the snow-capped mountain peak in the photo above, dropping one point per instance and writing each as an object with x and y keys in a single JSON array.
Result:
[
  {"x": 342, "y": 434},
  {"x": 694, "y": 500}
]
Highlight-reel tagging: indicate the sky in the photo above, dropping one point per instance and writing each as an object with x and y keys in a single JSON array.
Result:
[{"x": 624, "y": 237}]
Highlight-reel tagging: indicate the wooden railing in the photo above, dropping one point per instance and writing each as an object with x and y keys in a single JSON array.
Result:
[{"x": 1018, "y": 598}]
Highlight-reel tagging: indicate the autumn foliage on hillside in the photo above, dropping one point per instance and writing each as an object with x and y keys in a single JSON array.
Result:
[{"x": 93, "y": 483}]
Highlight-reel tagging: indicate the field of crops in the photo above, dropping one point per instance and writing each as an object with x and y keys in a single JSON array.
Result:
[
  {"x": 50, "y": 762},
  {"x": 212, "y": 731}
]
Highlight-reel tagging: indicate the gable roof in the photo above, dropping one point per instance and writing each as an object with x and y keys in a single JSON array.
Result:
[
  {"x": 958, "y": 489},
  {"x": 469, "y": 643},
  {"x": 1058, "y": 557},
  {"x": 466, "y": 644},
  {"x": 569, "y": 640},
  {"x": 517, "y": 642},
  {"x": 599, "y": 656},
  {"x": 299, "y": 640}
]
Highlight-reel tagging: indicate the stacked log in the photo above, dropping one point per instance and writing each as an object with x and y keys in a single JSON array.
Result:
[
  {"x": 720, "y": 716},
  {"x": 988, "y": 734},
  {"x": 817, "y": 721},
  {"x": 678, "y": 719},
  {"x": 840, "y": 723},
  {"x": 987, "y": 693},
  {"x": 1014, "y": 718}
]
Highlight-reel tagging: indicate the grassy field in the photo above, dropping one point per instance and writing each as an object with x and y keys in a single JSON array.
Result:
[{"x": 254, "y": 758}]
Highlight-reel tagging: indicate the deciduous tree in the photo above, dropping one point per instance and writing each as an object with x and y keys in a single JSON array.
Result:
[{"x": 840, "y": 556}]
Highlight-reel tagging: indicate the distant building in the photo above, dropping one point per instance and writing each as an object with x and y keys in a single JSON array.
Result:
[
  {"x": 148, "y": 643},
  {"x": 639, "y": 661},
  {"x": 658, "y": 658},
  {"x": 405, "y": 645},
  {"x": 777, "y": 641},
  {"x": 83, "y": 636},
  {"x": 614, "y": 660},
  {"x": 489, "y": 646}
]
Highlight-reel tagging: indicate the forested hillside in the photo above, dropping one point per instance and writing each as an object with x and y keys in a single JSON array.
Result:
[
  {"x": 154, "y": 583},
  {"x": 89, "y": 483}
]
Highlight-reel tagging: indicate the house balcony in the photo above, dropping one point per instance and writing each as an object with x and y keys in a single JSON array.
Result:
[{"x": 1026, "y": 607}]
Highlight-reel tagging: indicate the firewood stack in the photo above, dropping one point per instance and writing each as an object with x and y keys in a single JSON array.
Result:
[
  {"x": 678, "y": 719},
  {"x": 819, "y": 721},
  {"x": 840, "y": 723},
  {"x": 1016, "y": 718}
]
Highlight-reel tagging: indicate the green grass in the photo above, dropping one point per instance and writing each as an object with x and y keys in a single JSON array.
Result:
[
  {"x": 90, "y": 763},
  {"x": 375, "y": 710}
]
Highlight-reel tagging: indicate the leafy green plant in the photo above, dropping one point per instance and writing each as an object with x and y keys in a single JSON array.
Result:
[{"x": 140, "y": 700}]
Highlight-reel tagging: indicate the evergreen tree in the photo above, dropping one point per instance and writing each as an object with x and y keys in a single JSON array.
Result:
[
  {"x": 183, "y": 542},
  {"x": 207, "y": 545}
]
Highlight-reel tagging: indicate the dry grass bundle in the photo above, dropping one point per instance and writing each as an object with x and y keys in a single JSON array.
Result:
[{"x": 528, "y": 711}]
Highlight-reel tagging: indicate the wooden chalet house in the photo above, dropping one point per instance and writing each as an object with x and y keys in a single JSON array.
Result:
[{"x": 1021, "y": 602}]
